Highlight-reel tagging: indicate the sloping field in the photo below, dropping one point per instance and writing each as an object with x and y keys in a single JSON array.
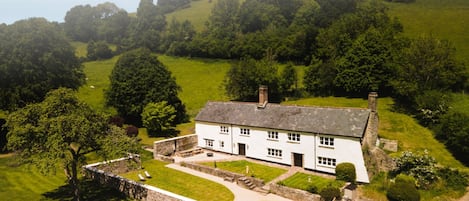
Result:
[{"x": 444, "y": 19}]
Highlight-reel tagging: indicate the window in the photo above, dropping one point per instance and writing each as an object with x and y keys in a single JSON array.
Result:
[
  {"x": 294, "y": 137},
  {"x": 222, "y": 144},
  {"x": 274, "y": 152},
  {"x": 272, "y": 135},
  {"x": 327, "y": 161},
  {"x": 208, "y": 143},
  {"x": 244, "y": 131},
  {"x": 326, "y": 141},
  {"x": 224, "y": 130}
]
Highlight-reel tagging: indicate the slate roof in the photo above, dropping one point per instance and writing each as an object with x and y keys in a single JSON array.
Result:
[{"x": 322, "y": 120}]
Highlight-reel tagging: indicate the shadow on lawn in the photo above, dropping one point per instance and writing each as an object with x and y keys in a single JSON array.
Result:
[{"x": 90, "y": 190}]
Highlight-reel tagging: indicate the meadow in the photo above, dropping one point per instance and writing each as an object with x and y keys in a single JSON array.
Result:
[{"x": 444, "y": 19}]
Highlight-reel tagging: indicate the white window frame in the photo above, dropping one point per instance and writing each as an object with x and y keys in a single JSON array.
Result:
[
  {"x": 277, "y": 153},
  {"x": 244, "y": 131},
  {"x": 224, "y": 129},
  {"x": 328, "y": 162},
  {"x": 221, "y": 143},
  {"x": 209, "y": 143},
  {"x": 272, "y": 135},
  {"x": 294, "y": 137},
  {"x": 326, "y": 141}
]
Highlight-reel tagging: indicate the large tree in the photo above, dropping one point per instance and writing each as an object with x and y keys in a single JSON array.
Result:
[
  {"x": 61, "y": 130},
  {"x": 149, "y": 26},
  {"x": 428, "y": 64},
  {"x": 35, "y": 58},
  {"x": 244, "y": 78},
  {"x": 139, "y": 78}
]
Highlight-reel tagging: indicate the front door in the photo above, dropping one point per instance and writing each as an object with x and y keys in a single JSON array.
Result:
[
  {"x": 297, "y": 160},
  {"x": 242, "y": 149}
]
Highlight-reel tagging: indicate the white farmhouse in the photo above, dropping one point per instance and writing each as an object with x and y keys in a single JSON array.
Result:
[{"x": 314, "y": 138}]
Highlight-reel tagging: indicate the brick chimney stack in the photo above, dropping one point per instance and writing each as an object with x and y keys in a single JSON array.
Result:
[
  {"x": 373, "y": 101},
  {"x": 263, "y": 96}
]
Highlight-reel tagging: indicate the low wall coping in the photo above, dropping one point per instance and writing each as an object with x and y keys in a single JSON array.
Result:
[{"x": 174, "y": 138}]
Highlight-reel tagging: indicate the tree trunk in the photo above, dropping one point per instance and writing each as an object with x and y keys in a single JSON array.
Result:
[{"x": 72, "y": 175}]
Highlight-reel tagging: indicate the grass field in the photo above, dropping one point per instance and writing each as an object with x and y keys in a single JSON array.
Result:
[
  {"x": 181, "y": 183},
  {"x": 266, "y": 173},
  {"x": 197, "y": 13},
  {"x": 444, "y": 19},
  {"x": 303, "y": 181}
]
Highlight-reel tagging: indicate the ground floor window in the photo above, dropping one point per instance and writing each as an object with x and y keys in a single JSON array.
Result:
[
  {"x": 327, "y": 161},
  {"x": 222, "y": 144},
  {"x": 274, "y": 152},
  {"x": 208, "y": 143}
]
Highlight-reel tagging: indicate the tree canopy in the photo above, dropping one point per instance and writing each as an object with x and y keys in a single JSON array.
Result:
[
  {"x": 139, "y": 78},
  {"x": 61, "y": 130},
  {"x": 35, "y": 58},
  {"x": 159, "y": 118}
]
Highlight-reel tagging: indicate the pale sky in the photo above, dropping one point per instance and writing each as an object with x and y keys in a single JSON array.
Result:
[{"x": 52, "y": 10}]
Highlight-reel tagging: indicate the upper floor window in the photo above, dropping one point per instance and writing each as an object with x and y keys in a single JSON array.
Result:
[
  {"x": 326, "y": 141},
  {"x": 272, "y": 135},
  {"x": 327, "y": 161},
  {"x": 274, "y": 152},
  {"x": 294, "y": 137},
  {"x": 224, "y": 129},
  {"x": 244, "y": 131}
]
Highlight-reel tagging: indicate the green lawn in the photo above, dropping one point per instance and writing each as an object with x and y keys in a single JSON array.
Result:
[
  {"x": 303, "y": 181},
  {"x": 181, "y": 183},
  {"x": 22, "y": 183},
  {"x": 445, "y": 19},
  {"x": 266, "y": 173}
]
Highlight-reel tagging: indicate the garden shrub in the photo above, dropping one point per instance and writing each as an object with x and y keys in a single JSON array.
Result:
[
  {"x": 453, "y": 178},
  {"x": 403, "y": 189},
  {"x": 420, "y": 166},
  {"x": 312, "y": 189},
  {"x": 345, "y": 172},
  {"x": 131, "y": 130},
  {"x": 329, "y": 193}
]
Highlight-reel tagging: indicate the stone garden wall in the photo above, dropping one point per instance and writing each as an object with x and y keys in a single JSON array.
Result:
[
  {"x": 133, "y": 189},
  {"x": 294, "y": 194},
  {"x": 221, "y": 173},
  {"x": 170, "y": 146}
]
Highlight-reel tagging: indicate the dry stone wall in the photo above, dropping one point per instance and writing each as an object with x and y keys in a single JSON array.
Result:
[
  {"x": 170, "y": 146},
  {"x": 133, "y": 189},
  {"x": 294, "y": 194}
]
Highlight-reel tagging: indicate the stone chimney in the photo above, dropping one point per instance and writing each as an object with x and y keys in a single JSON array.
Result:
[
  {"x": 373, "y": 101},
  {"x": 263, "y": 96}
]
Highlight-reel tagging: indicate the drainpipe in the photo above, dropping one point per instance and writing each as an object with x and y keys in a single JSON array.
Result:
[{"x": 231, "y": 135}]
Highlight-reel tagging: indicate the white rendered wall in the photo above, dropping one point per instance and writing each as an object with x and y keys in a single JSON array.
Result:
[{"x": 345, "y": 149}]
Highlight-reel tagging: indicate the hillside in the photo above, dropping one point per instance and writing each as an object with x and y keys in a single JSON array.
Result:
[{"x": 448, "y": 19}]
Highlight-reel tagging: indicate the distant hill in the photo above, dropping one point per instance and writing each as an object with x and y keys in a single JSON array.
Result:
[{"x": 444, "y": 19}]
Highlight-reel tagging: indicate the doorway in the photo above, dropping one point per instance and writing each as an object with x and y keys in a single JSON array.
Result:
[
  {"x": 241, "y": 149},
  {"x": 297, "y": 160}
]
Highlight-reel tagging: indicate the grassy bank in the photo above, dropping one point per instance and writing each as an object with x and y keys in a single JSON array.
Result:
[{"x": 446, "y": 19}]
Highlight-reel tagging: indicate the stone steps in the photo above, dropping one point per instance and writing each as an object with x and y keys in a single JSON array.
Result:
[{"x": 247, "y": 183}]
